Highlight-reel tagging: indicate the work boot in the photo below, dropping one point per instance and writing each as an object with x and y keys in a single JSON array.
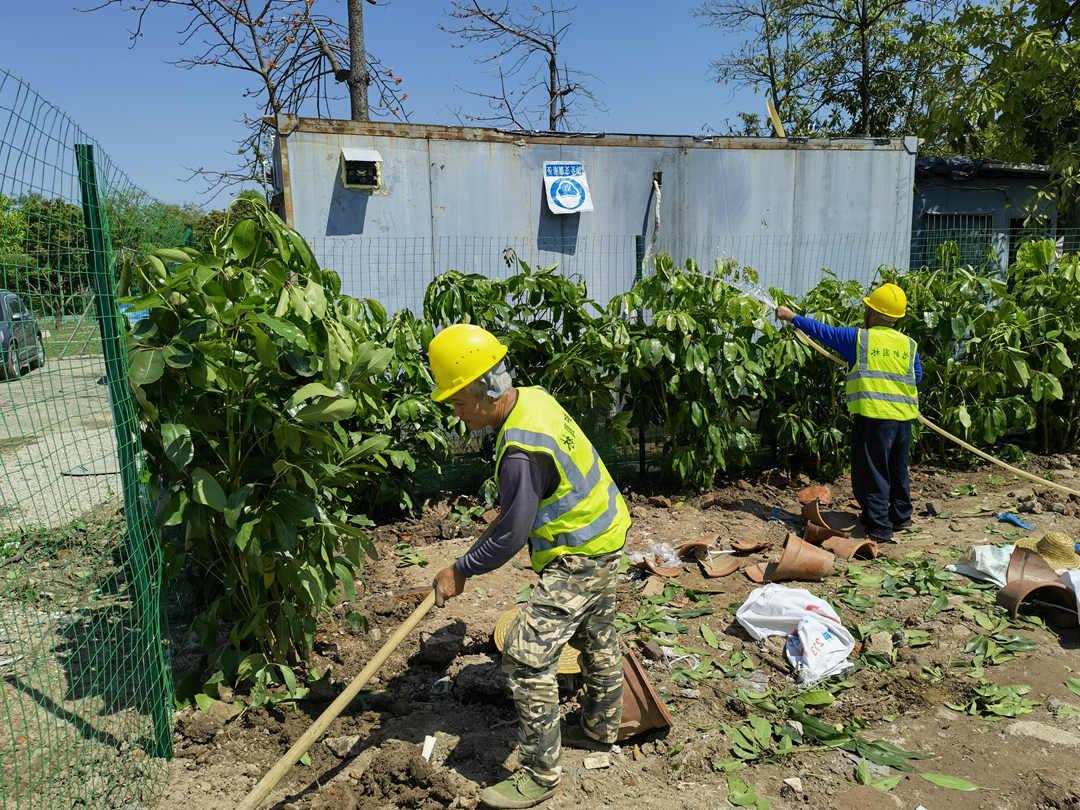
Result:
[
  {"x": 574, "y": 736},
  {"x": 518, "y": 791}
]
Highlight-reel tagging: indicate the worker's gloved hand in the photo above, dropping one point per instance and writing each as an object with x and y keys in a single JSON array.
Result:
[
  {"x": 448, "y": 583},
  {"x": 784, "y": 314}
]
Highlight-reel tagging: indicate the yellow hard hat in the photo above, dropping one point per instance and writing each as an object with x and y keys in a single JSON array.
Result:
[
  {"x": 458, "y": 355},
  {"x": 889, "y": 300}
]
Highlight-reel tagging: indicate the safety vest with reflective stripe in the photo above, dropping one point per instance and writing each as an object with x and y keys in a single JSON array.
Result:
[
  {"x": 586, "y": 514},
  {"x": 881, "y": 384}
]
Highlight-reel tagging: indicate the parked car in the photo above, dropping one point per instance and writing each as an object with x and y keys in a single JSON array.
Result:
[{"x": 21, "y": 345}]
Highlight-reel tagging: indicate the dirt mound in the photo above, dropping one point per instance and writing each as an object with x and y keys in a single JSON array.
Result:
[{"x": 399, "y": 777}]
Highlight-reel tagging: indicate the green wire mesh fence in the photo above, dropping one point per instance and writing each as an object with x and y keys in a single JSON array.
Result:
[{"x": 85, "y": 696}]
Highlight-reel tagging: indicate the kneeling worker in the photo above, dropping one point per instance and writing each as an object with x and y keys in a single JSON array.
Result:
[{"x": 556, "y": 495}]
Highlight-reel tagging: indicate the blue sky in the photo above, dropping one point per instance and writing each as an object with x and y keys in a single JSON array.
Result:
[{"x": 650, "y": 62}]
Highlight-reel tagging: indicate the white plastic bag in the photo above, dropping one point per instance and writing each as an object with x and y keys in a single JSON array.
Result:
[
  {"x": 986, "y": 563},
  {"x": 818, "y": 643},
  {"x": 664, "y": 555},
  {"x": 818, "y": 649},
  {"x": 1070, "y": 578},
  {"x": 775, "y": 610}
]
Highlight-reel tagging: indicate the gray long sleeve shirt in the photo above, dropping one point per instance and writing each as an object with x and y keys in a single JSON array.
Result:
[{"x": 525, "y": 479}]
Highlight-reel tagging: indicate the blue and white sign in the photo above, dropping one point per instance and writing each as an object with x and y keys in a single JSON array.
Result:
[{"x": 566, "y": 187}]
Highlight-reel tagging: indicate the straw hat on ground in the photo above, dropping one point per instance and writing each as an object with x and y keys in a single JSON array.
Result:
[
  {"x": 568, "y": 658},
  {"x": 1054, "y": 547}
]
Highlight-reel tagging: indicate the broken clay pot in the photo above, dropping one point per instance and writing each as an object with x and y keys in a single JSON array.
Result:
[
  {"x": 800, "y": 561},
  {"x": 816, "y": 535},
  {"x": 659, "y": 570},
  {"x": 840, "y": 523},
  {"x": 692, "y": 549},
  {"x": 700, "y": 550},
  {"x": 847, "y": 549},
  {"x": 819, "y": 492},
  {"x": 748, "y": 546},
  {"x": 1028, "y": 564},
  {"x": 642, "y": 710},
  {"x": 714, "y": 569},
  {"x": 1055, "y": 598}
]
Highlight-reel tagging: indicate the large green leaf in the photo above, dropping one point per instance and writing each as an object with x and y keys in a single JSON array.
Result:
[
  {"x": 178, "y": 355},
  {"x": 243, "y": 238},
  {"x": 284, "y": 329},
  {"x": 327, "y": 410},
  {"x": 147, "y": 366},
  {"x": 206, "y": 490},
  {"x": 743, "y": 794},
  {"x": 951, "y": 782},
  {"x": 373, "y": 359},
  {"x": 264, "y": 347},
  {"x": 309, "y": 391},
  {"x": 176, "y": 439},
  {"x": 236, "y": 502},
  {"x": 370, "y": 445},
  {"x": 316, "y": 299}
]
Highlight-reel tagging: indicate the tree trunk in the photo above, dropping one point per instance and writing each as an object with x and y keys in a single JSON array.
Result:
[
  {"x": 864, "y": 78},
  {"x": 358, "y": 74},
  {"x": 553, "y": 94}
]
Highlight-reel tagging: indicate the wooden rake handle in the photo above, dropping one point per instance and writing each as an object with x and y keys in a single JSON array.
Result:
[{"x": 258, "y": 794}]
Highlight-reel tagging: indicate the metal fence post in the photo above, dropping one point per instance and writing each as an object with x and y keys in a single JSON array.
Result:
[
  {"x": 142, "y": 547},
  {"x": 639, "y": 272}
]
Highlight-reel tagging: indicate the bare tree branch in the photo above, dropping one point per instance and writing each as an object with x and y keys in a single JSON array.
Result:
[
  {"x": 525, "y": 49},
  {"x": 295, "y": 58}
]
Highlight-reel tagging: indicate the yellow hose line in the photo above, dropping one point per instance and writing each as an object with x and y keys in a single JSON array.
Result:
[{"x": 941, "y": 431}]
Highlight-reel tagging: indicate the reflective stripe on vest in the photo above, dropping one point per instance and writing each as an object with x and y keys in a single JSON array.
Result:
[
  {"x": 881, "y": 384},
  {"x": 585, "y": 514}
]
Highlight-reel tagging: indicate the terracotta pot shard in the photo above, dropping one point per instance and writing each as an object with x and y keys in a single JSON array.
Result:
[
  {"x": 748, "y": 546},
  {"x": 642, "y": 710},
  {"x": 696, "y": 548},
  {"x": 1027, "y": 564},
  {"x": 715, "y": 569},
  {"x": 803, "y": 561},
  {"x": 1049, "y": 595},
  {"x": 840, "y": 523},
  {"x": 760, "y": 573},
  {"x": 848, "y": 549},
  {"x": 816, "y": 535},
  {"x": 710, "y": 567},
  {"x": 800, "y": 561},
  {"x": 818, "y": 492},
  {"x": 659, "y": 570}
]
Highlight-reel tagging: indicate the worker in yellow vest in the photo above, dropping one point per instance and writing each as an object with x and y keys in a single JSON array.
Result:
[
  {"x": 556, "y": 495},
  {"x": 882, "y": 393}
]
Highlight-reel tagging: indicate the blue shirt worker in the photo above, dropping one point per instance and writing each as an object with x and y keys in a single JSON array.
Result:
[
  {"x": 882, "y": 394},
  {"x": 556, "y": 495}
]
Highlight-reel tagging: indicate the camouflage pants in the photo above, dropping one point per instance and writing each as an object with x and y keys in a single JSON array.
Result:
[{"x": 574, "y": 600}]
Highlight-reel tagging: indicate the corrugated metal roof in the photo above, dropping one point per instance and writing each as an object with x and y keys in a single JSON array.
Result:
[{"x": 960, "y": 168}]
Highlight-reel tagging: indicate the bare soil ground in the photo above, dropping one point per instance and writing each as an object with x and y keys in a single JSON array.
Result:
[
  {"x": 75, "y": 696},
  {"x": 450, "y": 686}
]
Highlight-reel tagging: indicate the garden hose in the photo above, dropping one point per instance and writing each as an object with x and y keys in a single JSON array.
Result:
[{"x": 942, "y": 432}]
